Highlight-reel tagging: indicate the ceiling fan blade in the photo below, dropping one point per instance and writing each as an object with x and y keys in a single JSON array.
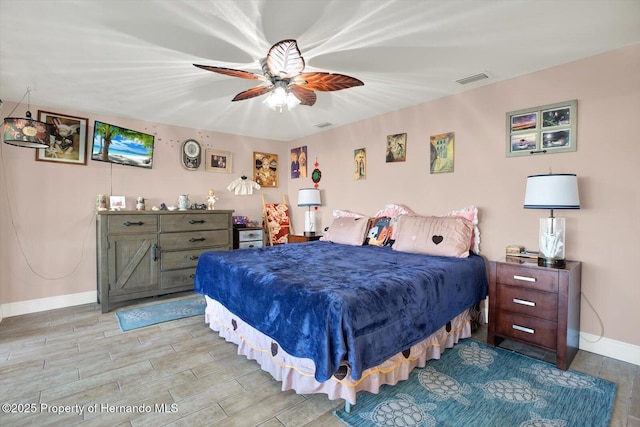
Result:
[
  {"x": 305, "y": 96},
  {"x": 284, "y": 59},
  {"x": 253, "y": 92},
  {"x": 233, "y": 73},
  {"x": 326, "y": 81}
]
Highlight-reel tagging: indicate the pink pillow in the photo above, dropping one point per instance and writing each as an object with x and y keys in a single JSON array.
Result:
[
  {"x": 339, "y": 213},
  {"x": 434, "y": 235},
  {"x": 348, "y": 231},
  {"x": 470, "y": 213}
]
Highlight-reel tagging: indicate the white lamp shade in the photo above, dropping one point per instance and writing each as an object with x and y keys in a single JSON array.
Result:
[
  {"x": 552, "y": 191},
  {"x": 309, "y": 197}
]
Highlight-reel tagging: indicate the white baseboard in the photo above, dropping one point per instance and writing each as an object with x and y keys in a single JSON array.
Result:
[
  {"x": 43, "y": 304},
  {"x": 610, "y": 348}
]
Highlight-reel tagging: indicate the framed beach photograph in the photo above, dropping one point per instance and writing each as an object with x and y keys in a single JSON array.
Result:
[
  {"x": 67, "y": 139},
  {"x": 542, "y": 130},
  {"x": 265, "y": 170},
  {"x": 441, "y": 150},
  {"x": 218, "y": 161}
]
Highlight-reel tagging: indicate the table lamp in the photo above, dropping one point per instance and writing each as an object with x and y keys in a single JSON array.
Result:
[
  {"x": 309, "y": 197},
  {"x": 552, "y": 191}
]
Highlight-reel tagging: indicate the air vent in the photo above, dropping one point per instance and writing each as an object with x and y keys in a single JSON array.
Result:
[
  {"x": 323, "y": 125},
  {"x": 472, "y": 78}
]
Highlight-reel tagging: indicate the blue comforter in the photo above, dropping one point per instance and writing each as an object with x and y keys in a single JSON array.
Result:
[{"x": 331, "y": 303}]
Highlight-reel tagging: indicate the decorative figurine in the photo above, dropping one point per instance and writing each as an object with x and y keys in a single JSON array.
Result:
[{"x": 211, "y": 200}]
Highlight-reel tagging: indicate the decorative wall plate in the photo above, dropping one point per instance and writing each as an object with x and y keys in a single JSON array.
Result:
[{"x": 191, "y": 154}]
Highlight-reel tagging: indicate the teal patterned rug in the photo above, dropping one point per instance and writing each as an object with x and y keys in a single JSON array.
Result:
[
  {"x": 140, "y": 317},
  {"x": 477, "y": 385}
]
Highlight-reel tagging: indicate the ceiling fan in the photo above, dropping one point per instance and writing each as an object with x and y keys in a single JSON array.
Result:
[{"x": 283, "y": 77}]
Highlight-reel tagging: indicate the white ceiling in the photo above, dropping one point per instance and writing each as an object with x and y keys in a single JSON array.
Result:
[{"x": 134, "y": 58}]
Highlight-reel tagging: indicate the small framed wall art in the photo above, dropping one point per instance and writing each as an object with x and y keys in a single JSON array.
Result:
[
  {"x": 218, "y": 161},
  {"x": 67, "y": 140},
  {"x": 265, "y": 169},
  {"x": 441, "y": 152},
  {"x": 396, "y": 148},
  {"x": 542, "y": 130}
]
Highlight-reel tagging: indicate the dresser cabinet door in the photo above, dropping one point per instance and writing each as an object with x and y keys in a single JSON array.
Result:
[{"x": 133, "y": 263}]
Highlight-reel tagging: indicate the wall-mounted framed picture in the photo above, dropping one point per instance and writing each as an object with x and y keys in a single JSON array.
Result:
[
  {"x": 396, "y": 148},
  {"x": 265, "y": 170},
  {"x": 299, "y": 162},
  {"x": 67, "y": 140},
  {"x": 441, "y": 150},
  {"x": 218, "y": 161},
  {"x": 545, "y": 129},
  {"x": 359, "y": 163}
]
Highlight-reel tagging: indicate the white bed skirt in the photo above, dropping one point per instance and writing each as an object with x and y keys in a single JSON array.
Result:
[{"x": 298, "y": 373}]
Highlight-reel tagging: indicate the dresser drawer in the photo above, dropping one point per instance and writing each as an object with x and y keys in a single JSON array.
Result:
[
  {"x": 244, "y": 235},
  {"x": 194, "y": 221},
  {"x": 527, "y": 329},
  {"x": 250, "y": 244},
  {"x": 527, "y": 301},
  {"x": 132, "y": 224},
  {"x": 182, "y": 278},
  {"x": 193, "y": 239},
  {"x": 529, "y": 277},
  {"x": 180, "y": 259}
]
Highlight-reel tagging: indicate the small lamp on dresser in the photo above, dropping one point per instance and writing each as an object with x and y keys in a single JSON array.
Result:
[
  {"x": 552, "y": 191},
  {"x": 309, "y": 197}
]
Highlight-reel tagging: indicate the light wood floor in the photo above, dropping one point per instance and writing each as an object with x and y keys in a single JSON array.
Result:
[{"x": 61, "y": 358}]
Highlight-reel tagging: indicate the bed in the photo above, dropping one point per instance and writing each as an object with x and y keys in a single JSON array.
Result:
[{"x": 338, "y": 317}]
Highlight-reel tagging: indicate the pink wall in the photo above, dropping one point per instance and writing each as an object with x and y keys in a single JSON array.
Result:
[
  {"x": 604, "y": 234},
  {"x": 52, "y": 250}
]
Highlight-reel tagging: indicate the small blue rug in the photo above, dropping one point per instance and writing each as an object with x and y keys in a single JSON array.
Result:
[
  {"x": 477, "y": 385},
  {"x": 140, "y": 317}
]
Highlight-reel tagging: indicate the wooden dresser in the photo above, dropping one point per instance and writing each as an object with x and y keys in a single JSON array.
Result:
[
  {"x": 149, "y": 253},
  {"x": 539, "y": 306}
]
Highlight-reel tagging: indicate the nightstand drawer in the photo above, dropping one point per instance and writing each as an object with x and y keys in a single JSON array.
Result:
[
  {"x": 529, "y": 277},
  {"x": 244, "y": 235},
  {"x": 527, "y": 329},
  {"x": 250, "y": 244},
  {"x": 527, "y": 301}
]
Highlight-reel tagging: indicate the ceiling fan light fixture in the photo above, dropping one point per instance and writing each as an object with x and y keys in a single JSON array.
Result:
[{"x": 281, "y": 97}]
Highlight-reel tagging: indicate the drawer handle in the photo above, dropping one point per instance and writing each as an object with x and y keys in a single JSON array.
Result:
[
  {"x": 524, "y": 302},
  {"x": 192, "y": 276},
  {"x": 524, "y": 278},
  {"x": 193, "y": 221},
  {"x": 154, "y": 252},
  {"x": 128, "y": 223},
  {"x": 193, "y": 257},
  {"x": 193, "y": 239},
  {"x": 523, "y": 329}
]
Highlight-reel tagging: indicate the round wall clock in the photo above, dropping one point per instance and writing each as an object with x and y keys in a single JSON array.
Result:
[{"x": 191, "y": 154}]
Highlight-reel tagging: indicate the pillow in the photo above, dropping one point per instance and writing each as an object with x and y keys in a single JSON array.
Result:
[
  {"x": 348, "y": 231},
  {"x": 434, "y": 235},
  {"x": 470, "y": 213},
  {"x": 379, "y": 232},
  {"x": 339, "y": 213},
  {"x": 394, "y": 211}
]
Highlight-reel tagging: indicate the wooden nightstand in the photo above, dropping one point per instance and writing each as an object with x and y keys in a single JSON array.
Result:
[
  {"x": 299, "y": 238},
  {"x": 539, "y": 306}
]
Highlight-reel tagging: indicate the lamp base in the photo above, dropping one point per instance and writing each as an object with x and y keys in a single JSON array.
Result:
[
  {"x": 551, "y": 262},
  {"x": 309, "y": 233}
]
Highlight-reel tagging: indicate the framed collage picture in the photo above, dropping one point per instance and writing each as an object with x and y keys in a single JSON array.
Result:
[{"x": 542, "y": 130}]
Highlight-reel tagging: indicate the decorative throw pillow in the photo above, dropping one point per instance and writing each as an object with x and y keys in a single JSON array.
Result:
[
  {"x": 432, "y": 235},
  {"x": 339, "y": 213},
  {"x": 380, "y": 231},
  {"x": 470, "y": 213},
  {"x": 394, "y": 211},
  {"x": 348, "y": 231}
]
